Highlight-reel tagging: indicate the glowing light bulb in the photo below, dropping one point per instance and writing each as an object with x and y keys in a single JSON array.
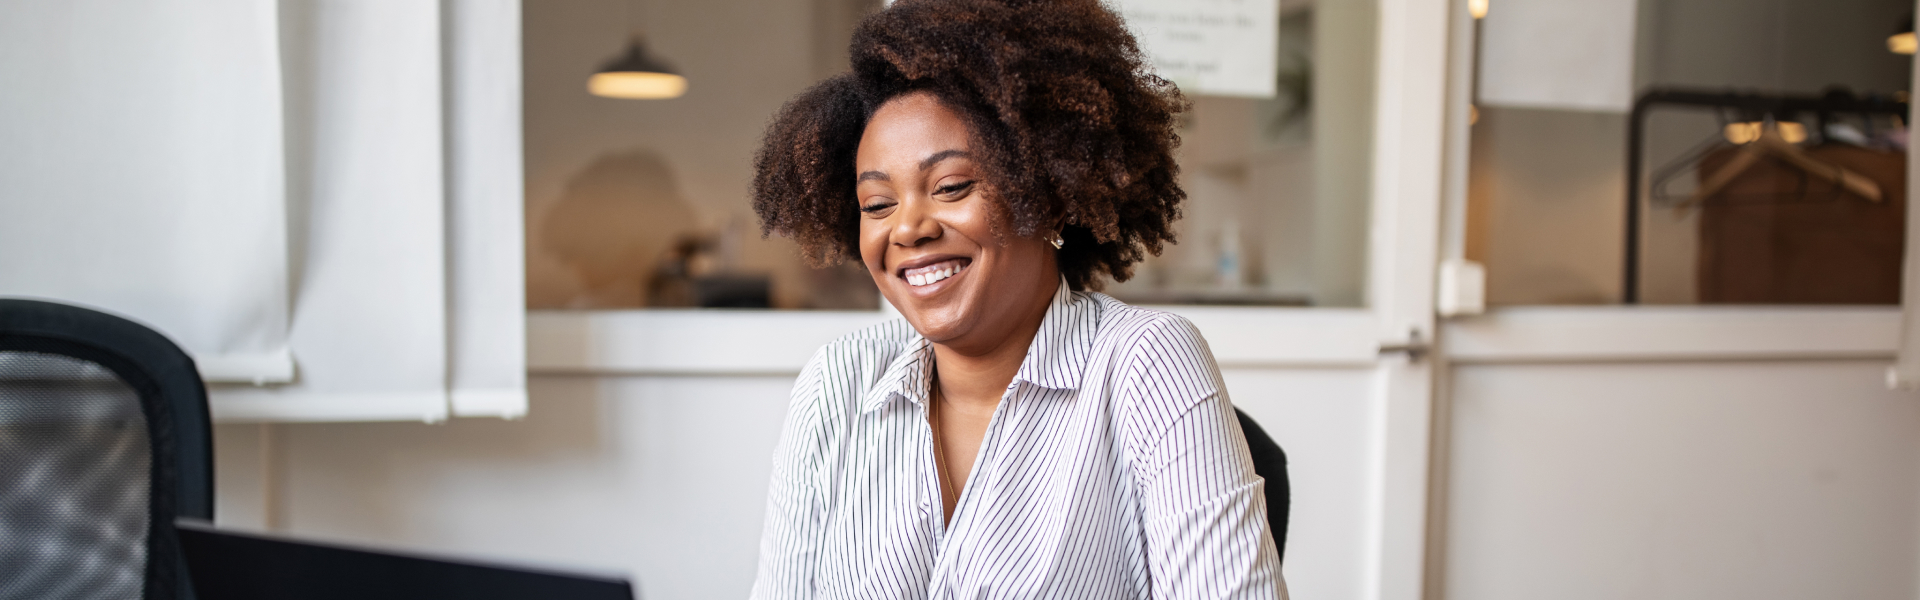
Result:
[
  {"x": 1902, "y": 43},
  {"x": 636, "y": 85},
  {"x": 1479, "y": 9},
  {"x": 1748, "y": 132}
]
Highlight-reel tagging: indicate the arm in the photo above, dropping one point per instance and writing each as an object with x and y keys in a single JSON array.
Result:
[
  {"x": 1203, "y": 508},
  {"x": 789, "y": 544}
]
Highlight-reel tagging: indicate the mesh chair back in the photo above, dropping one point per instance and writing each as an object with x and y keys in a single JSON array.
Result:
[
  {"x": 104, "y": 440},
  {"x": 75, "y": 515}
]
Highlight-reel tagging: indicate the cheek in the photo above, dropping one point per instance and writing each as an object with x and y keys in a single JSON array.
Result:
[
  {"x": 873, "y": 245},
  {"x": 974, "y": 218}
]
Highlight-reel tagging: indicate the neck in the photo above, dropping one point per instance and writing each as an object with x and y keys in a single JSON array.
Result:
[{"x": 973, "y": 376}]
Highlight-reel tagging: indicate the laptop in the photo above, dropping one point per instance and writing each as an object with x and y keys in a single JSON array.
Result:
[{"x": 227, "y": 565}]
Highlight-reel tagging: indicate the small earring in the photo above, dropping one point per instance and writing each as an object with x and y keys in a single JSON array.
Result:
[{"x": 1057, "y": 242}]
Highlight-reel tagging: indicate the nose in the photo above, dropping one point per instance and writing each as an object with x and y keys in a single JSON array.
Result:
[{"x": 914, "y": 223}]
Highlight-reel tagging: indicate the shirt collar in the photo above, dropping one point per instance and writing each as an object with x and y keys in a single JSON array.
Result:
[
  {"x": 1058, "y": 355},
  {"x": 905, "y": 378},
  {"x": 1057, "y": 358}
]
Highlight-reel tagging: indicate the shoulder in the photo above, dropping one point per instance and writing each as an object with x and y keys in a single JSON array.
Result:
[
  {"x": 882, "y": 341},
  {"x": 827, "y": 395},
  {"x": 841, "y": 371},
  {"x": 1137, "y": 332},
  {"x": 1162, "y": 366}
]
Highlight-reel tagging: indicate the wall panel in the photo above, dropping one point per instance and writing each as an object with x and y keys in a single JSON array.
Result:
[{"x": 1682, "y": 480}]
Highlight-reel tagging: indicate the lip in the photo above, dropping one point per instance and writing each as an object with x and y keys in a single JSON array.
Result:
[
  {"x": 900, "y": 270},
  {"x": 924, "y": 291}
]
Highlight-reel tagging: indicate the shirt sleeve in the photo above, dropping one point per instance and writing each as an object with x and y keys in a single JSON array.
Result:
[
  {"x": 789, "y": 546},
  {"x": 1203, "y": 508}
]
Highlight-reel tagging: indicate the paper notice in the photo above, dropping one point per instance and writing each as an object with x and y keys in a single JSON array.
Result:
[{"x": 1214, "y": 47}]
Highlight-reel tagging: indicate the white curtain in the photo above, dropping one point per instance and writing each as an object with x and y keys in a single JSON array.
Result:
[
  {"x": 365, "y": 193},
  {"x": 335, "y": 181},
  {"x": 485, "y": 198},
  {"x": 141, "y": 172}
]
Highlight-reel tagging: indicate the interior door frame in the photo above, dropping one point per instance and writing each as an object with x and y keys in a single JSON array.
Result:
[{"x": 1410, "y": 143}]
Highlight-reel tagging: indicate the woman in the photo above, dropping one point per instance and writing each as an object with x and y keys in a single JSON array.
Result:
[{"x": 1016, "y": 435}]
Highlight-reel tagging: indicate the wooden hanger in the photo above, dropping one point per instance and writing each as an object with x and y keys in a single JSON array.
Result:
[{"x": 1771, "y": 144}]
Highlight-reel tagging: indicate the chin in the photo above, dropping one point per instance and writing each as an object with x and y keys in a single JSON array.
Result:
[{"x": 940, "y": 322}]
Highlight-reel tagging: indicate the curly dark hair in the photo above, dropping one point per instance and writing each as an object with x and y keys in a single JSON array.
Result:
[{"x": 1074, "y": 132}]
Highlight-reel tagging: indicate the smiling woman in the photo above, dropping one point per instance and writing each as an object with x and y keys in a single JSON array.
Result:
[
  {"x": 1015, "y": 435},
  {"x": 928, "y": 231}
]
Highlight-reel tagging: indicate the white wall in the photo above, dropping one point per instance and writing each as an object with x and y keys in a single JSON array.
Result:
[
  {"x": 660, "y": 478},
  {"x": 1682, "y": 480},
  {"x": 664, "y": 478}
]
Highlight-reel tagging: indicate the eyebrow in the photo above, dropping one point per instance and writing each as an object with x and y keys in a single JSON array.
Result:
[
  {"x": 942, "y": 155},
  {"x": 928, "y": 163}
]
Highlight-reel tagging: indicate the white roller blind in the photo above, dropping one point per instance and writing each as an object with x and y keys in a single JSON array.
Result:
[
  {"x": 487, "y": 275},
  {"x": 365, "y": 195},
  {"x": 335, "y": 181},
  {"x": 140, "y": 170}
]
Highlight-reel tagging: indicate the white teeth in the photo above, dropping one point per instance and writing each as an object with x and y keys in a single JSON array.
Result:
[{"x": 933, "y": 273}]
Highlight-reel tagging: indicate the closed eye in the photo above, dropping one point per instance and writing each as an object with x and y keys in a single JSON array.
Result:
[
  {"x": 953, "y": 188},
  {"x": 876, "y": 207}
]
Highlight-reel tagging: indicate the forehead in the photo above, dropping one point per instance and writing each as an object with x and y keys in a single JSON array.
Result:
[{"x": 908, "y": 128}]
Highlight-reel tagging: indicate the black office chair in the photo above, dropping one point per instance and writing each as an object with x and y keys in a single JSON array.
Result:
[
  {"x": 1270, "y": 463},
  {"x": 104, "y": 440}
]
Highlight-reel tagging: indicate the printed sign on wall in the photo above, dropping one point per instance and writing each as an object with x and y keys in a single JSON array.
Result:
[{"x": 1213, "y": 47}]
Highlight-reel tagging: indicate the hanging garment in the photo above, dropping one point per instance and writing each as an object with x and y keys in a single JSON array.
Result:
[{"x": 1777, "y": 235}]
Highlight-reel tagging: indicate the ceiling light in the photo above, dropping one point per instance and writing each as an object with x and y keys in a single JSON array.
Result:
[{"x": 637, "y": 75}]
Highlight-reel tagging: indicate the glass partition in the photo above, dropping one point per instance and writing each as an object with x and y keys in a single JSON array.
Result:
[
  {"x": 1277, "y": 187},
  {"x": 1690, "y": 151},
  {"x": 644, "y": 203}
]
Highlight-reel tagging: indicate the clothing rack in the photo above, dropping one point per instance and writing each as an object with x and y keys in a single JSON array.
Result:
[{"x": 1756, "y": 106}]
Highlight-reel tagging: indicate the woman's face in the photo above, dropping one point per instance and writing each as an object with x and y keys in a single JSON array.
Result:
[{"x": 926, "y": 229}]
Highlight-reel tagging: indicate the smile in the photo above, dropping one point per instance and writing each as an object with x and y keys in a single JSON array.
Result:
[{"x": 934, "y": 273}]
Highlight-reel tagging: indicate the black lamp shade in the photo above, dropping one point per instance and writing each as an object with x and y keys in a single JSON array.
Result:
[{"x": 636, "y": 74}]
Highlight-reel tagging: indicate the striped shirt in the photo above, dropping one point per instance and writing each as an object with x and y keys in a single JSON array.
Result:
[{"x": 1113, "y": 467}]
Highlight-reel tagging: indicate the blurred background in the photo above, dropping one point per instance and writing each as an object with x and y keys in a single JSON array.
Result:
[
  {"x": 1543, "y": 298},
  {"x": 625, "y": 198}
]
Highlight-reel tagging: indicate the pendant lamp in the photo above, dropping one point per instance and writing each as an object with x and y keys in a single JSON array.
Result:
[
  {"x": 1903, "y": 41},
  {"x": 637, "y": 75}
]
